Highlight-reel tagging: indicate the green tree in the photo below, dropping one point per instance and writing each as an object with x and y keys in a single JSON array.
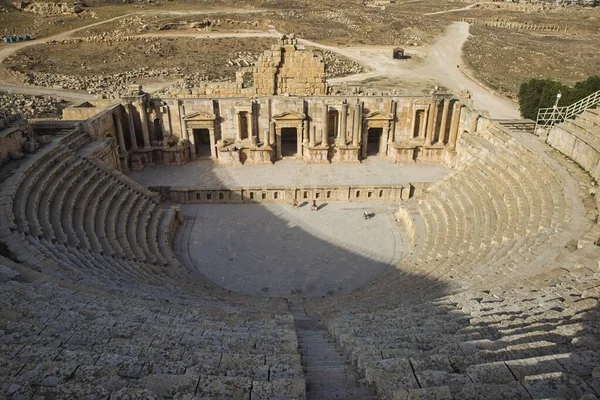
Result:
[{"x": 541, "y": 93}]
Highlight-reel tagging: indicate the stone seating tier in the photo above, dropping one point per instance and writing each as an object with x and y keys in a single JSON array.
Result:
[
  {"x": 78, "y": 224},
  {"x": 578, "y": 139},
  {"x": 492, "y": 223},
  {"x": 76, "y": 344},
  {"x": 519, "y": 343},
  {"x": 84, "y": 203}
]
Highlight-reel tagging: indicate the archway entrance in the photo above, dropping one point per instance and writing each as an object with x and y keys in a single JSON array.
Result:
[
  {"x": 202, "y": 143},
  {"x": 373, "y": 141},
  {"x": 289, "y": 142}
]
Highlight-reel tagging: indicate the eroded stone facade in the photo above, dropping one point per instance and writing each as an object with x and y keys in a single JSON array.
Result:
[
  {"x": 281, "y": 109},
  {"x": 319, "y": 129},
  {"x": 16, "y": 136}
]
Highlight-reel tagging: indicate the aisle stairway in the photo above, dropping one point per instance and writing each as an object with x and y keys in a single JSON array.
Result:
[{"x": 329, "y": 375}]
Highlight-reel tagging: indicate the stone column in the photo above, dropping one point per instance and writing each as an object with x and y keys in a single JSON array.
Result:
[
  {"x": 238, "y": 131},
  {"x": 299, "y": 139},
  {"x": 383, "y": 142},
  {"x": 134, "y": 145},
  {"x": 312, "y": 134},
  {"x": 392, "y": 136},
  {"x": 430, "y": 119},
  {"x": 446, "y": 106},
  {"x": 406, "y": 122},
  {"x": 436, "y": 111},
  {"x": 272, "y": 133},
  {"x": 357, "y": 124},
  {"x": 213, "y": 143},
  {"x": 343, "y": 123},
  {"x": 119, "y": 132},
  {"x": 364, "y": 139},
  {"x": 278, "y": 138},
  {"x": 413, "y": 124},
  {"x": 305, "y": 131},
  {"x": 142, "y": 110},
  {"x": 192, "y": 139},
  {"x": 325, "y": 133},
  {"x": 455, "y": 124},
  {"x": 474, "y": 122},
  {"x": 250, "y": 122}
]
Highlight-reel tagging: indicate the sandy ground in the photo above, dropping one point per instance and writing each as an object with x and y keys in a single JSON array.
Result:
[
  {"x": 439, "y": 67},
  {"x": 295, "y": 251}
]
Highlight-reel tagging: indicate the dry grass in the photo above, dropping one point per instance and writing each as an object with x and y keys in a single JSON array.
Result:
[
  {"x": 207, "y": 56},
  {"x": 501, "y": 58},
  {"x": 504, "y": 58}
]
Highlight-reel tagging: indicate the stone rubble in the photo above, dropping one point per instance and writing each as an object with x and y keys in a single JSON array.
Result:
[{"x": 33, "y": 106}]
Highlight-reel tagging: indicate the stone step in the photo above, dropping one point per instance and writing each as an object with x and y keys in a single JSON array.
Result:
[
  {"x": 328, "y": 373},
  {"x": 360, "y": 393}
]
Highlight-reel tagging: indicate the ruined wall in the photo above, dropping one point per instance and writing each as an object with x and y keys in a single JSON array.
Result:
[
  {"x": 507, "y": 24},
  {"x": 289, "y": 70},
  {"x": 284, "y": 69},
  {"x": 87, "y": 109},
  {"x": 13, "y": 131},
  {"x": 578, "y": 148},
  {"x": 10, "y": 142},
  {"x": 100, "y": 125}
]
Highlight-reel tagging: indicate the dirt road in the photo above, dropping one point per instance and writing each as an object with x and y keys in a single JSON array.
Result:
[{"x": 439, "y": 67}]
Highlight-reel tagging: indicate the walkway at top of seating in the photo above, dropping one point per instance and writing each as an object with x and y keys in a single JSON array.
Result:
[{"x": 205, "y": 174}]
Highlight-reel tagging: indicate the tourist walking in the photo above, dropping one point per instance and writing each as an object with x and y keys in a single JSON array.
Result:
[{"x": 314, "y": 206}]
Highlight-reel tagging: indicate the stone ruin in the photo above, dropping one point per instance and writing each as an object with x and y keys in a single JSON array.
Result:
[
  {"x": 500, "y": 23},
  {"x": 287, "y": 68},
  {"x": 278, "y": 109},
  {"x": 496, "y": 297},
  {"x": 17, "y": 137}
]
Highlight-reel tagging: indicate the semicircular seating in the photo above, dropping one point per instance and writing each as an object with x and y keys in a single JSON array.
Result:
[
  {"x": 484, "y": 233},
  {"x": 475, "y": 311},
  {"x": 104, "y": 308}
]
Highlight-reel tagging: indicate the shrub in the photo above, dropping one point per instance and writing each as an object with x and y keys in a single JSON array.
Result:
[{"x": 541, "y": 93}]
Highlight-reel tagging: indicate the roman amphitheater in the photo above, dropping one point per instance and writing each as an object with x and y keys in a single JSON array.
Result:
[{"x": 288, "y": 235}]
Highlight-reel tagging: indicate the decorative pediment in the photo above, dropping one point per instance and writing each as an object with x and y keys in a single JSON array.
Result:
[
  {"x": 243, "y": 103},
  {"x": 379, "y": 115},
  {"x": 289, "y": 115},
  {"x": 199, "y": 116}
]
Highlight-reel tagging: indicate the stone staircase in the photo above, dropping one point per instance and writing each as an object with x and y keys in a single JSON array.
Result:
[{"x": 329, "y": 375}]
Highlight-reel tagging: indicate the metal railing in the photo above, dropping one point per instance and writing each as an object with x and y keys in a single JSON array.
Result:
[{"x": 548, "y": 117}]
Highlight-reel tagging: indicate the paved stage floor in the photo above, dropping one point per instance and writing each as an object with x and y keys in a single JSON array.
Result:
[
  {"x": 275, "y": 250},
  {"x": 205, "y": 174}
]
